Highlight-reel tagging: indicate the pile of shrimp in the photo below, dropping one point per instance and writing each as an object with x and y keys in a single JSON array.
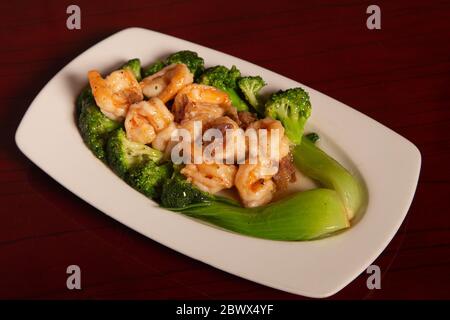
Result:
[{"x": 169, "y": 100}]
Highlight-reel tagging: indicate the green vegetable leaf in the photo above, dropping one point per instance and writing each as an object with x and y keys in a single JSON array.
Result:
[
  {"x": 319, "y": 166},
  {"x": 304, "y": 216}
]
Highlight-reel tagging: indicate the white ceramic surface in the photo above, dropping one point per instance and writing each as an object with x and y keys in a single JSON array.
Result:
[{"x": 388, "y": 164}]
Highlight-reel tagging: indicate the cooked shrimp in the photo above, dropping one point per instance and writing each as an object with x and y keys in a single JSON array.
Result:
[
  {"x": 115, "y": 93},
  {"x": 202, "y": 112},
  {"x": 254, "y": 180},
  {"x": 233, "y": 146},
  {"x": 271, "y": 125},
  {"x": 190, "y": 149},
  {"x": 255, "y": 187},
  {"x": 145, "y": 119},
  {"x": 166, "y": 83},
  {"x": 162, "y": 138},
  {"x": 210, "y": 177},
  {"x": 197, "y": 101}
]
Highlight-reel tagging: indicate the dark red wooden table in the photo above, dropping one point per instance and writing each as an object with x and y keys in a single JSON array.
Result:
[{"x": 399, "y": 75}]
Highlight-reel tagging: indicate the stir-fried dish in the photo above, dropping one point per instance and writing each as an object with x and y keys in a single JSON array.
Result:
[{"x": 207, "y": 144}]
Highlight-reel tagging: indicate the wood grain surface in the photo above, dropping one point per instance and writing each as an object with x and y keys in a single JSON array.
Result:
[{"x": 399, "y": 75}]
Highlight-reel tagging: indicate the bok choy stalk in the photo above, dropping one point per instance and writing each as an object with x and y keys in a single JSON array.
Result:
[
  {"x": 317, "y": 165},
  {"x": 304, "y": 216}
]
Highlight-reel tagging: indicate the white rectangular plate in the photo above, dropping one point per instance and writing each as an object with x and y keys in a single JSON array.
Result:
[{"x": 388, "y": 164}]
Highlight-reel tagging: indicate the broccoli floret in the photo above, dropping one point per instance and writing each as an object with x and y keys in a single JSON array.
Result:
[
  {"x": 177, "y": 192},
  {"x": 313, "y": 137},
  {"x": 191, "y": 59},
  {"x": 226, "y": 80},
  {"x": 94, "y": 126},
  {"x": 123, "y": 154},
  {"x": 152, "y": 69},
  {"x": 250, "y": 87},
  {"x": 149, "y": 177},
  {"x": 292, "y": 107},
  {"x": 85, "y": 97},
  {"x": 134, "y": 65}
]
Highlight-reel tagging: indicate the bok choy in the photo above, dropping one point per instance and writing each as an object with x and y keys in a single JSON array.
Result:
[
  {"x": 304, "y": 216},
  {"x": 317, "y": 165}
]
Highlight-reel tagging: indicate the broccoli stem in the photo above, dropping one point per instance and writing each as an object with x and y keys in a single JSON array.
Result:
[{"x": 236, "y": 100}]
